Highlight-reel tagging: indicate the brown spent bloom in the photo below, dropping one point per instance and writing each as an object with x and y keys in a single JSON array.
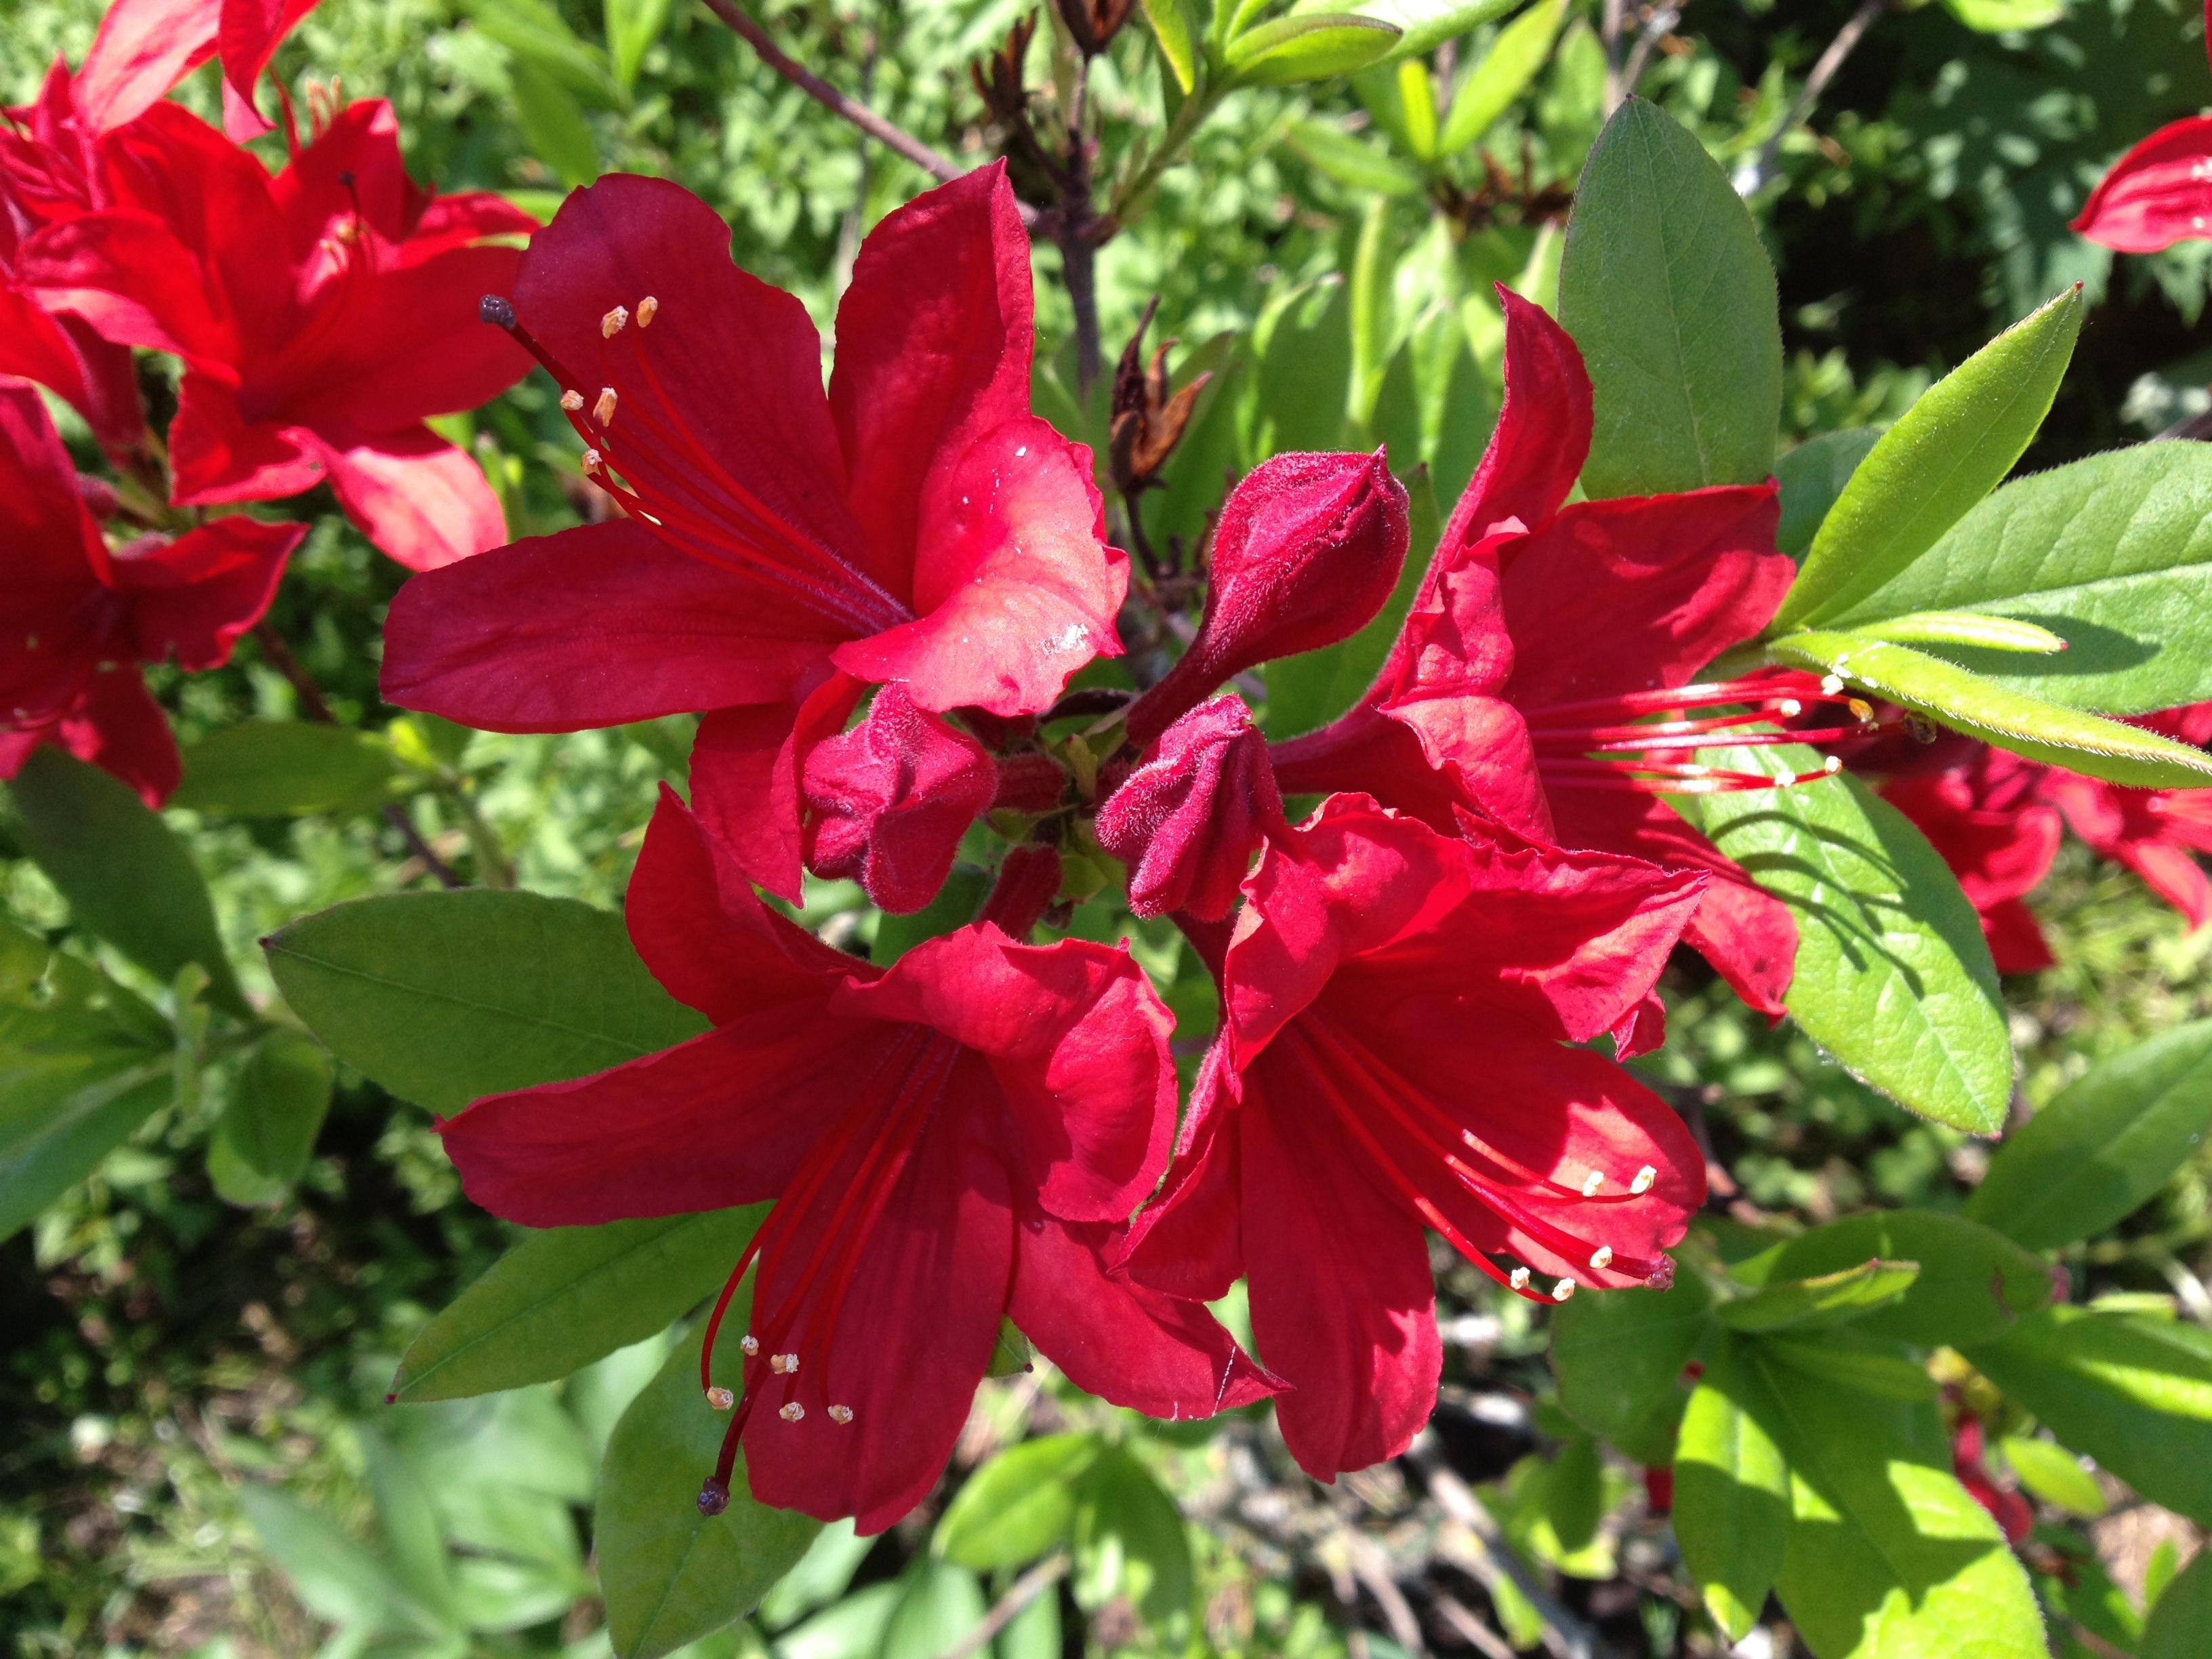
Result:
[
  {"x": 1094, "y": 23},
  {"x": 1148, "y": 421}
]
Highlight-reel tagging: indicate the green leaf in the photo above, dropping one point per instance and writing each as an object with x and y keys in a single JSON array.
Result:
[
  {"x": 1887, "y": 1555},
  {"x": 1349, "y": 161},
  {"x": 284, "y": 769},
  {"x": 1997, "y": 16},
  {"x": 632, "y": 28},
  {"x": 1574, "y": 1494},
  {"x": 553, "y": 126},
  {"x": 1017, "y": 1505},
  {"x": 334, "y": 1577},
  {"x": 1011, "y": 1353},
  {"x": 820, "y": 1577},
  {"x": 1968, "y": 628},
  {"x": 1130, "y": 1541},
  {"x": 1973, "y": 1282},
  {"x": 2183, "y": 1615},
  {"x": 1864, "y": 1371},
  {"x": 536, "y": 34},
  {"x": 1503, "y": 73},
  {"x": 1893, "y": 976},
  {"x": 1951, "y": 448},
  {"x": 850, "y": 1629},
  {"x": 1297, "y": 397},
  {"x": 265, "y": 1137},
  {"x": 413, "y": 1545},
  {"x": 565, "y": 1296},
  {"x": 1619, "y": 1360},
  {"x": 1308, "y": 48},
  {"x": 2113, "y": 553},
  {"x": 126, "y": 874},
  {"x": 1812, "y": 475},
  {"x": 40, "y": 1163},
  {"x": 2104, "y": 1146},
  {"x": 956, "y": 904},
  {"x": 1966, "y": 702},
  {"x": 1665, "y": 289},
  {"x": 1423, "y": 25},
  {"x": 446, "y": 997},
  {"x": 1176, "y": 31},
  {"x": 938, "y": 1603},
  {"x": 1801, "y": 1304},
  {"x": 2134, "y": 1393},
  {"x": 1731, "y": 1490},
  {"x": 2053, "y": 1474},
  {"x": 669, "y": 1574}
]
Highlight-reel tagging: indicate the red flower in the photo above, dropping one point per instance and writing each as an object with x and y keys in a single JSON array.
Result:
[
  {"x": 783, "y": 548},
  {"x": 2011, "y": 1511},
  {"x": 146, "y": 46},
  {"x": 75, "y": 618},
  {"x": 2160, "y": 192},
  {"x": 1394, "y": 1007},
  {"x": 2153, "y": 832},
  {"x": 951, "y": 1140},
  {"x": 1984, "y": 812},
  {"x": 1543, "y": 635},
  {"x": 322, "y": 315},
  {"x": 1188, "y": 821}
]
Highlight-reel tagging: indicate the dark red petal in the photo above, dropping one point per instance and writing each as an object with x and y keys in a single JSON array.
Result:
[
  {"x": 1130, "y": 1345},
  {"x": 887, "y": 801},
  {"x": 143, "y": 49},
  {"x": 594, "y": 626},
  {"x": 1078, "y": 1041},
  {"x": 1370, "y": 753},
  {"x": 119, "y": 728},
  {"x": 2158, "y": 194},
  {"x": 1014, "y": 587},
  {"x": 932, "y": 351},
  {"x": 218, "y": 200},
  {"x": 1186, "y": 1242},
  {"x": 216, "y": 455},
  {"x": 130, "y": 276},
  {"x": 50, "y": 535},
  {"x": 2015, "y": 937},
  {"x": 417, "y": 497},
  {"x": 1543, "y": 433},
  {"x": 193, "y": 598},
  {"x": 745, "y": 767},
  {"x": 94, "y": 376}
]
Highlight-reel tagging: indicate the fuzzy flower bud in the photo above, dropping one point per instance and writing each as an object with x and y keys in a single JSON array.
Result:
[
  {"x": 1187, "y": 821},
  {"x": 1308, "y": 550},
  {"x": 887, "y": 801}
]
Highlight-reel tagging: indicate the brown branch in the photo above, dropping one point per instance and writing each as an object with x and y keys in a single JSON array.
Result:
[
  {"x": 1026, "y": 1589},
  {"x": 933, "y": 163},
  {"x": 1824, "y": 70}
]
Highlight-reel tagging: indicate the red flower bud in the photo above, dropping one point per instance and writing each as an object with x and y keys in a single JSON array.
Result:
[
  {"x": 887, "y": 801},
  {"x": 1187, "y": 822},
  {"x": 1308, "y": 550}
]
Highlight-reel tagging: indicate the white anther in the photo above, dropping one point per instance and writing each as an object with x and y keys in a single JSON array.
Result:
[
  {"x": 1602, "y": 1258},
  {"x": 603, "y": 411},
  {"x": 1563, "y": 1289},
  {"x": 1644, "y": 1177},
  {"x": 572, "y": 401},
  {"x": 646, "y": 309},
  {"x": 1833, "y": 765},
  {"x": 837, "y": 1414},
  {"x": 1519, "y": 1281},
  {"x": 721, "y": 1398},
  {"x": 783, "y": 1363},
  {"x": 1790, "y": 707},
  {"x": 791, "y": 1412},
  {"x": 592, "y": 460},
  {"x": 1831, "y": 684},
  {"x": 1591, "y": 1182},
  {"x": 611, "y": 324},
  {"x": 749, "y": 1343}
]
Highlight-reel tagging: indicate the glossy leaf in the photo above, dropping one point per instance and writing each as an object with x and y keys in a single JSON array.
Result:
[
  {"x": 1308, "y": 48},
  {"x": 1893, "y": 976},
  {"x": 1487, "y": 91},
  {"x": 2053, "y": 1474},
  {"x": 1731, "y": 1490},
  {"x": 265, "y": 1137},
  {"x": 2113, "y": 553},
  {"x": 1997, "y": 16},
  {"x": 2133, "y": 1392},
  {"x": 125, "y": 873},
  {"x": 444, "y": 997},
  {"x": 1951, "y": 448},
  {"x": 1176, "y": 32},
  {"x": 2183, "y": 1614},
  {"x": 1017, "y": 1505},
  {"x": 2104, "y": 1145},
  {"x": 1972, "y": 1284},
  {"x": 1966, "y": 702},
  {"x": 1813, "y": 1304},
  {"x": 1812, "y": 475},
  {"x": 567, "y": 1296},
  {"x": 1665, "y": 289},
  {"x": 1886, "y": 1374},
  {"x": 669, "y": 1574},
  {"x": 1965, "y": 628},
  {"x": 283, "y": 768},
  {"x": 1618, "y": 1361}
]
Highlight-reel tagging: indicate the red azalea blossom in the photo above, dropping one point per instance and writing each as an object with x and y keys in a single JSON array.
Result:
[
  {"x": 1543, "y": 637},
  {"x": 2011, "y": 1511},
  {"x": 323, "y": 314},
  {"x": 146, "y": 46},
  {"x": 77, "y": 618},
  {"x": 2160, "y": 192},
  {"x": 1396, "y": 1005},
  {"x": 2156, "y": 833},
  {"x": 1984, "y": 813},
  {"x": 783, "y": 548},
  {"x": 952, "y": 1140}
]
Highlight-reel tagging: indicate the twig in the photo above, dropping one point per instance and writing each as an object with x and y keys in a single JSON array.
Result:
[
  {"x": 1025, "y": 1590},
  {"x": 1656, "y": 29},
  {"x": 933, "y": 163},
  {"x": 1751, "y": 180},
  {"x": 1487, "y": 1641},
  {"x": 1074, "y": 229},
  {"x": 2190, "y": 426},
  {"x": 1372, "y": 1567},
  {"x": 1608, "y": 36}
]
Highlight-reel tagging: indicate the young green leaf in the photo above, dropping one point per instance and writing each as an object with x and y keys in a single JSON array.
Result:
[
  {"x": 1966, "y": 702},
  {"x": 126, "y": 874},
  {"x": 1805, "y": 1304},
  {"x": 1350, "y": 160},
  {"x": 1998, "y": 16},
  {"x": 1973, "y": 1282},
  {"x": 445, "y": 997},
  {"x": 284, "y": 769},
  {"x": 334, "y": 1577},
  {"x": 1731, "y": 1490},
  {"x": 2133, "y": 1392},
  {"x": 1016, "y": 1506},
  {"x": 821, "y": 1577},
  {"x": 1619, "y": 1360},
  {"x": 632, "y": 28},
  {"x": 2182, "y": 1614},
  {"x": 1885, "y": 1375},
  {"x": 1969, "y": 629},
  {"x": 1952, "y": 447},
  {"x": 1812, "y": 475},
  {"x": 567, "y": 1296},
  {"x": 43, "y": 1156},
  {"x": 2053, "y": 1474},
  {"x": 553, "y": 125},
  {"x": 1893, "y": 976},
  {"x": 2104, "y": 1145},
  {"x": 669, "y": 1574},
  {"x": 265, "y": 1137},
  {"x": 1308, "y": 48},
  {"x": 1487, "y": 90},
  {"x": 1665, "y": 289},
  {"x": 2113, "y": 553},
  {"x": 1574, "y": 1494},
  {"x": 1423, "y": 25},
  {"x": 1176, "y": 32}
]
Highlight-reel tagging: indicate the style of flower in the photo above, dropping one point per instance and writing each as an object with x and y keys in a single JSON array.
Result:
[
  {"x": 951, "y": 1141},
  {"x": 77, "y": 618},
  {"x": 2160, "y": 192},
  {"x": 1543, "y": 639},
  {"x": 1391, "y": 1058},
  {"x": 146, "y": 46},
  {"x": 322, "y": 315},
  {"x": 781, "y": 548}
]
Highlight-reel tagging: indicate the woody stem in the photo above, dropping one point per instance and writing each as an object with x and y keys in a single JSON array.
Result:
[{"x": 1073, "y": 231}]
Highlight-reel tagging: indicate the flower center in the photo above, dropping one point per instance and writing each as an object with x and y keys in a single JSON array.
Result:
[{"x": 1614, "y": 744}]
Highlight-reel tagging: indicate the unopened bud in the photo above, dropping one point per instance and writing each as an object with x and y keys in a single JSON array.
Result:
[
  {"x": 1308, "y": 551},
  {"x": 887, "y": 801},
  {"x": 1188, "y": 821}
]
